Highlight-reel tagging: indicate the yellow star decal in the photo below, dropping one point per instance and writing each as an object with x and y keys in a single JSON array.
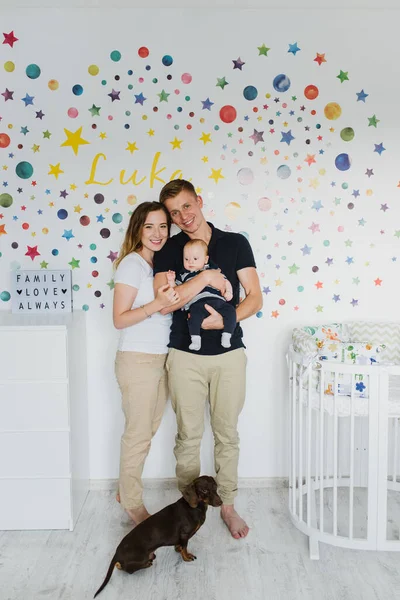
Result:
[
  {"x": 150, "y": 132},
  {"x": 55, "y": 170},
  {"x": 216, "y": 175},
  {"x": 278, "y": 282},
  {"x": 199, "y": 190},
  {"x": 131, "y": 147},
  {"x": 74, "y": 139},
  {"x": 314, "y": 183},
  {"x": 5, "y": 168},
  {"x": 35, "y": 148},
  {"x": 72, "y": 186},
  {"x": 176, "y": 143},
  {"x": 77, "y": 208},
  {"x": 206, "y": 137},
  {"x": 103, "y": 135},
  {"x": 263, "y": 160},
  {"x": 205, "y": 159}
]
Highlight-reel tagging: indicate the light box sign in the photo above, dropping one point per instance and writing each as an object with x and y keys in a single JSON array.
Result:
[{"x": 41, "y": 291}]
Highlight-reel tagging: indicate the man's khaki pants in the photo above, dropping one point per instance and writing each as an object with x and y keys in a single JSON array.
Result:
[
  {"x": 143, "y": 383},
  {"x": 193, "y": 379}
]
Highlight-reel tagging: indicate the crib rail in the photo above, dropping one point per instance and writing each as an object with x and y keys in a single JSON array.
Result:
[{"x": 341, "y": 461}]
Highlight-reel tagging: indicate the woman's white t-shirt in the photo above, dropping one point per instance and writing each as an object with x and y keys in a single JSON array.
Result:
[{"x": 151, "y": 335}]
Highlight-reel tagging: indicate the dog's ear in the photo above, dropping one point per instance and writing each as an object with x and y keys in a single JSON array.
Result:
[{"x": 190, "y": 495}]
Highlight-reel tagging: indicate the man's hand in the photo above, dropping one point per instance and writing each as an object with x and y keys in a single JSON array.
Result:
[{"x": 214, "y": 321}]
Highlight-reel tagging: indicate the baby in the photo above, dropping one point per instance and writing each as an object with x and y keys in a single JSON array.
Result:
[{"x": 195, "y": 259}]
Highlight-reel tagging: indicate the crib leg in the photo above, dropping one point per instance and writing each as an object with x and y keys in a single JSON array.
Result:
[
  {"x": 313, "y": 546},
  {"x": 312, "y": 541}
]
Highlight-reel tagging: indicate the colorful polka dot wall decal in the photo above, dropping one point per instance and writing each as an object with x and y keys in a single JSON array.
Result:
[
  {"x": 4, "y": 140},
  {"x": 250, "y": 92},
  {"x": 77, "y": 90},
  {"x": 33, "y": 71},
  {"x": 6, "y": 200},
  {"x": 264, "y": 204},
  {"x": 347, "y": 134},
  {"x": 311, "y": 92},
  {"x": 53, "y": 85},
  {"x": 143, "y": 52},
  {"x": 343, "y": 162},
  {"x": 167, "y": 60},
  {"x": 260, "y": 141},
  {"x": 283, "y": 171},
  {"x": 24, "y": 170},
  {"x": 232, "y": 210},
  {"x": 186, "y": 78},
  {"x": 245, "y": 176},
  {"x": 93, "y": 70},
  {"x": 73, "y": 112},
  {"x": 227, "y": 114},
  {"x": 115, "y": 55},
  {"x": 281, "y": 83},
  {"x": 332, "y": 111}
]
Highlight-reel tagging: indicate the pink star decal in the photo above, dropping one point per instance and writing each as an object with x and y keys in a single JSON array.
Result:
[
  {"x": 10, "y": 39},
  {"x": 32, "y": 252}
]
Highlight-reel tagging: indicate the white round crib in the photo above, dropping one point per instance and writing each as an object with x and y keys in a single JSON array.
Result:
[{"x": 343, "y": 481}]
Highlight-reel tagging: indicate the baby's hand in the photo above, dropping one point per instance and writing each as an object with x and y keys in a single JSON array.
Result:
[
  {"x": 171, "y": 278},
  {"x": 228, "y": 295}
]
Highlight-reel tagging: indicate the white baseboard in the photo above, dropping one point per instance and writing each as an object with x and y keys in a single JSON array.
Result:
[{"x": 97, "y": 485}]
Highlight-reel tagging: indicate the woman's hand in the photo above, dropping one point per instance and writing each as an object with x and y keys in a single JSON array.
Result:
[{"x": 166, "y": 296}]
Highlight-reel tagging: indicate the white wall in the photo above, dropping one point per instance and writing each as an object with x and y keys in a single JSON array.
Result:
[{"x": 203, "y": 44}]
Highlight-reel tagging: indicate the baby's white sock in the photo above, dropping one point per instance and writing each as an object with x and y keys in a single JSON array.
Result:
[
  {"x": 196, "y": 342},
  {"x": 226, "y": 339}
]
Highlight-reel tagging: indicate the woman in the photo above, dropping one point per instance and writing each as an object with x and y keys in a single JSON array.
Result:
[{"x": 142, "y": 350}]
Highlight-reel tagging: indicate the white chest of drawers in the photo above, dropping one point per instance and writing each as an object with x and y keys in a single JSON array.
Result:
[{"x": 44, "y": 446}]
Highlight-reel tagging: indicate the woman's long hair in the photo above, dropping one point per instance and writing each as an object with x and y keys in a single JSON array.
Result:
[{"x": 133, "y": 236}]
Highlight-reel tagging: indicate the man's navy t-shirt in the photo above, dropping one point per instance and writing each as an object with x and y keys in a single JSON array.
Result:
[{"x": 231, "y": 252}]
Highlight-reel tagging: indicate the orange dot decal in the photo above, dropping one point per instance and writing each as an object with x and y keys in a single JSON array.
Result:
[{"x": 311, "y": 92}]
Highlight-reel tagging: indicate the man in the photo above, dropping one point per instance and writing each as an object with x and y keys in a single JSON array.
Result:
[{"x": 214, "y": 371}]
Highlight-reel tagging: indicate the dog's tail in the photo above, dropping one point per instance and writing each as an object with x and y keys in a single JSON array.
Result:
[{"x": 108, "y": 576}]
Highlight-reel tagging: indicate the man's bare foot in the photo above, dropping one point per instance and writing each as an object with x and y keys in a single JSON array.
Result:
[
  {"x": 234, "y": 523},
  {"x": 138, "y": 515}
]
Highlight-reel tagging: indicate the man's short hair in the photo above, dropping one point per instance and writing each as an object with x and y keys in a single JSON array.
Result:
[{"x": 175, "y": 187}]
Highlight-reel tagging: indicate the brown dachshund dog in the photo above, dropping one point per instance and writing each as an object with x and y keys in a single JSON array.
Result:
[{"x": 174, "y": 525}]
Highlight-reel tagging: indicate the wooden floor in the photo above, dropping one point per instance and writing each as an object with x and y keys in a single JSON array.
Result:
[{"x": 272, "y": 563}]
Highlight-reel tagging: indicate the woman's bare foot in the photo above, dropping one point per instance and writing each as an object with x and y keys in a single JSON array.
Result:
[
  {"x": 138, "y": 515},
  {"x": 237, "y": 527},
  {"x": 118, "y": 498}
]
